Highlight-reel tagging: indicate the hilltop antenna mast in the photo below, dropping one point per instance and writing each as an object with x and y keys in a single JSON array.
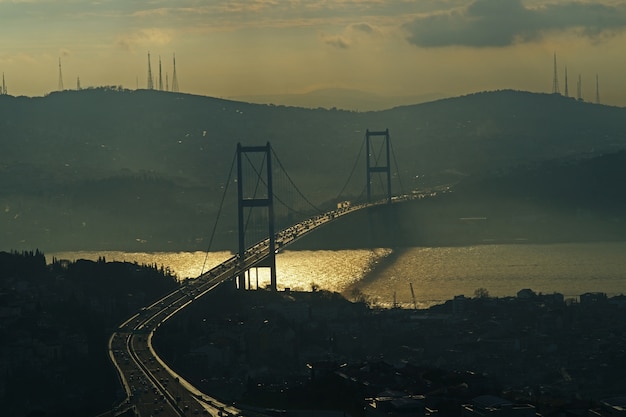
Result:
[
  {"x": 4, "y": 87},
  {"x": 167, "y": 82},
  {"x": 78, "y": 83},
  {"x": 597, "y": 90},
  {"x": 174, "y": 78},
  {"x": 579, "y": 92},
  {"x": 160, "y": 76},
  {"x": 555, "y": 81},
  {"x": 60, "y": 85},
  {"x": 566, "y": 89},
  {"x": 150, "y": 84}
]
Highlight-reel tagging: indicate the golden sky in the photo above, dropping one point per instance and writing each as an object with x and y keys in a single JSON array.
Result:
[{"x": 229, "y": 48}]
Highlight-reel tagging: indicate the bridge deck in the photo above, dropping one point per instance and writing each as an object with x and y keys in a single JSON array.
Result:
[{"x": 151, "y": 386}]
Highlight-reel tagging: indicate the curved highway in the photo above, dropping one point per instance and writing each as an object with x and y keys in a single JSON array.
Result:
[{"x": 151, "y": 387}]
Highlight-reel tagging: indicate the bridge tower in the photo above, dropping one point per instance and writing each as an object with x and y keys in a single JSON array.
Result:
[
  {"x": 376, "y": 167},
  {"x": 244, "y": 201}
]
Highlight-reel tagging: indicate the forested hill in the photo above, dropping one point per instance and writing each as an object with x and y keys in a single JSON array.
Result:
[
  {"x": 545, "y": 202},
  {"x": 594, "y": 185},
  {"x": 119, "y": 169}
]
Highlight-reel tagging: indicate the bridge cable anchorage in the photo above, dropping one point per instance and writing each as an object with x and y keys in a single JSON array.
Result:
[
  {"x": 395, "y": 161},
  {"x": 219, "y": 211},
  {"x": 294, "y": 185},
  {"x": 356, "y": 162}
]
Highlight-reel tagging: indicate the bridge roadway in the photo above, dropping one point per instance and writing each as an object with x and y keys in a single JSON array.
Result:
[{"x": 151, "y": 387}]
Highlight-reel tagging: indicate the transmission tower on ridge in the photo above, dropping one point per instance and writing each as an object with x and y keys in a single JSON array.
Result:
[
  {"x": 579, "y": 90},
  {"x": 60, "y": 84},
  {"x": 555, "y": 81},
  {"x": 4, "y": 87},
  {"x": 160, "y": 76},
  {"x": 597, "y": 90},
  {"x": 78, "y": 84},
  {"x": 167, "y": 82},
  {"x": 566, "y": 88},
  {"x": 150, "y": 83},
  {"x": 174, "y": 78}
]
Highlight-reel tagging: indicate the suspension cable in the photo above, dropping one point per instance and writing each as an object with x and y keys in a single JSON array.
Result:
[
  {"x": 395, "y": 161},
  {"x": 362, "y": 194},
  {"x": 293, "y": 184},
  {"x": 256, "y": 187},
  {"x": 219, "y": 212},
  {"x": 260, "y": 178},
  {"x": 356, "y": 161},
  {"x": 288, "y": 207},
  {"x": 377, "y": 156}
]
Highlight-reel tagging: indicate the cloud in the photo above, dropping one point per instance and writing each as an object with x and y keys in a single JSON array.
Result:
[
  {"x": 148, "y": 13},
  {"x": 365, "y": 28},
  {"x": 336, "y": 41},
  {"x": 19, "y": 58},
  {"x": 349, "y": 36},
  {"x": 144, "y": 38},
  {"x": 499, "y": 23},
  {"x": 124, "y": 44},
  {"x": 248, "y": 6}
]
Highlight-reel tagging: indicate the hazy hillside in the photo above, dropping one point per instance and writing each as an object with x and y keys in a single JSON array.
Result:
[
  {"x": 551, "y": 201},
  {"x": 556, "y": 200},
  {"x": 103, "y": 168},
  {"x": 339, "y": 98}
]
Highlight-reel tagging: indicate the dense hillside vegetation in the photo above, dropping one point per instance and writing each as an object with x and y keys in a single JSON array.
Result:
[
  {"x": 56, "y": 321},
  {"x": 115, "y": 169}
]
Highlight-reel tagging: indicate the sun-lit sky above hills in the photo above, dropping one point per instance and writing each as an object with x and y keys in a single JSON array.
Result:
[{"x": 230, "y": 48}]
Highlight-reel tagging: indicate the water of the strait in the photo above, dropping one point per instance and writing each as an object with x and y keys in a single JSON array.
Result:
[{"x": 437, "y": 273}]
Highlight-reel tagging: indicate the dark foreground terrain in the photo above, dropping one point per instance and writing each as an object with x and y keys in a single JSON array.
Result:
[
  {"x": 305, "y": 350},
  {"x": 55, "y": 321},
  {"x": 319, "y": 351}
]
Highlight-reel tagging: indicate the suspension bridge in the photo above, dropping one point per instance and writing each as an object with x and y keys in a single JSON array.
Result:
[{"x": 268, "y": 221}]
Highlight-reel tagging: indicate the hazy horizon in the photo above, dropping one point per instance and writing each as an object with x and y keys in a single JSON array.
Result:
[{"x": 274, "y": 47}]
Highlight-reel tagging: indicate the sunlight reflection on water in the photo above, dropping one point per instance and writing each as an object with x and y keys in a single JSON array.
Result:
[
  {"x": 298, "y": 270},
  {"x": 183, "y": 264},
  {"x": 437, "y": 274}
]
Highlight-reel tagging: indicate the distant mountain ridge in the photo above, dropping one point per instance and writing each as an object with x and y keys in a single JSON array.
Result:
[
  {"x": 339, "y": 98},
  {"x": 119, "y": 169}
]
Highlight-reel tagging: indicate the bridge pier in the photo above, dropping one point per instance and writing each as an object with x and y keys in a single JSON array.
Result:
[
  {"x": 251, "y": 202},
  {"x": 376, "y": 167}
]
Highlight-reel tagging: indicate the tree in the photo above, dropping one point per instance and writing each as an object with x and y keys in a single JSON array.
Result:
[{"x": 481, "y": 293}]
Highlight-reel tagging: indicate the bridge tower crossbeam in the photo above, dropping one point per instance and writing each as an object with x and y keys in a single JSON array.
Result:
[
  {"x": 253, "y": 202},
  {"x": 379, "y": 169}
]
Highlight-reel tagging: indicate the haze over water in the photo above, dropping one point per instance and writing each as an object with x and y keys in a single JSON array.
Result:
[{"x": 437, "y": 274}]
